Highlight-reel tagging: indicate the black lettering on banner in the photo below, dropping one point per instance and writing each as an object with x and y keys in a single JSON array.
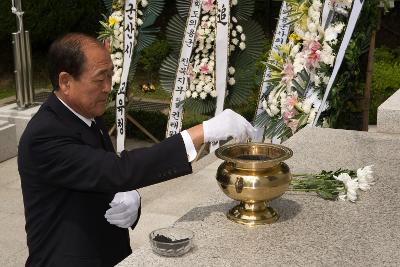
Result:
[
  {"x": 130, "y": 10},
  {"x": 174, "y": 124},
  {"x": 222, "y": 18},
  {"x": 120, "y": 124}
]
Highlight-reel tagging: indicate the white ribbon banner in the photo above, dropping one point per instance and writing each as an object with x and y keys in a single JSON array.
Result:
[
  {"x": 181, "y": 81},
  {"x": 221, "y": 56},
  {"x": 129, "y": 42},
  {"x": 355, "y": 12},
  {"x": 280, "y": 37}
]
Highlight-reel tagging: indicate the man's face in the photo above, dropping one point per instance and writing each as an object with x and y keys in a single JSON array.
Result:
[{"x": 88, "y": 94}]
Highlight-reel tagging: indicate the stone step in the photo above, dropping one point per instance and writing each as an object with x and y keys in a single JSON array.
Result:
[
  {"x": 8, "y": 140},
  {"x": 389, "y": 115}
]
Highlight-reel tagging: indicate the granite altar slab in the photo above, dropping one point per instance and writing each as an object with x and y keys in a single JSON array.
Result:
[{"x": 311, "y": 231}]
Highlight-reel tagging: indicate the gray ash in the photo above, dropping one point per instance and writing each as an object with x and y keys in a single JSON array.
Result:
[{"x": 253, "y": 157}]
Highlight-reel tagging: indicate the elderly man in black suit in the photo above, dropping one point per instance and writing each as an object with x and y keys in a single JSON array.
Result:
[{"x": 79, "y": 195}]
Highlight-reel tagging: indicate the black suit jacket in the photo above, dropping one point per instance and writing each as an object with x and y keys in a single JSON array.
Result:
[{"x": 69, "y": 175}]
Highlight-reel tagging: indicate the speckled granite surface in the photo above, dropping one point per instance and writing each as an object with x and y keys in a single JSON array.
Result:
[{"x": 311, "y": 231}]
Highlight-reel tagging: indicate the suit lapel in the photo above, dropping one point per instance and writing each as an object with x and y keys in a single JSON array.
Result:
[{"x": 76, "y": 124}]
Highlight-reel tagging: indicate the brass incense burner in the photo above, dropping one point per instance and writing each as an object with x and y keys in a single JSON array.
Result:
[{"x": 254, "y": 174}]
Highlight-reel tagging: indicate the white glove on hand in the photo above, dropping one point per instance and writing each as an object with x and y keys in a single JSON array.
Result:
[
  {"x": 124, "y": 209},
  {"x": 226, "y": 124}
]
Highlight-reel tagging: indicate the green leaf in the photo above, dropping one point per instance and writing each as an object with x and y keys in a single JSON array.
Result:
[
  {"x": 183, "y": 7},
  {"x": 243, "y": 10},
  {"x": 175, "y": 32},
  {"x": 108, "y": 5},
  {"x": 168, "y": 73}
]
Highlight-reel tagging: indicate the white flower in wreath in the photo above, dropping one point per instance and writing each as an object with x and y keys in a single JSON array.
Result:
[
  {"x": 235, "y": 41},
  {"x": 317, "y": 4},
  {"x": 231, "y": 81},
  {"x": 203, "y": 95},
  {"x": 188, "y": 93},
  {"x": 231, "y": 47},
  {"x": 339, "y": 27},
  {"x": 274, "y": 110},
  {"x": 231, "y": 70},
  {"x": 234, "y": 34},
  {"x": 243, "y": 37},
  {"x": 312, "y": 27},
  {"x": 239, "y": 29},
  {"x": 341, "y": 11},
  {"x": 208, "y": 87},
  {"x": 234, "y": 19},
  {"x": 212, "y": 19},
  {"x": 144, "y": 3},
  {"x": 234, "y": 2},
  {"x": 242, "y": 46},
  {"x": 139, "y": 22},
  {"x": 264, "y": 104},
  {"x": 325, "y": 79},
  {"x": 195, "y": 95},
  {"x": 213, "y": 93}
]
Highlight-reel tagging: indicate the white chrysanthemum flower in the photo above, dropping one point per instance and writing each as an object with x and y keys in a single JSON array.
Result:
[
  {"x": 213, "y": 93},
  {"x": 205, "y": 18},
  {"x": 208, "y": 87},
  {"x": 365, "y": 178},
  {"x": 234, "y": 34},
  {"x": 330, "y": 34},
  {"x": 231, "y": 47},
  {"x": 188, "y": 93},
  {"x": 120, "y": 38},
  {"x": 339, "y": 27},
  {"x": 325, "y": 79},
  {"x": 144, "y": 3},
  {"x": 139, "y": 21},
  {"x": 231, "y": 70},
  {"x": 317, "y": 4},
  {"x": 118, "y": 55},
  {"x": 199, "y": 88},
  {"x": 341, "y": 11},
  {"x": 235, "y": 41},
  {"x": 234, "y": 19},
  {"x": 116, "y": 43},
  {"x": 242, "y": 46},
  {"x": 312, "y": 27},
  {"x": 264, "y": 104},
  {"x": 274, "y": 110},
  {"x": 231, "y": 81},
  {"x": 234, "y": 2},
  {"x": 140, "y": 12},
  {"x": 203, "y": 95},
  {"x": 195, "y": 95},
  {"x": 212, "y": 19},
  {"x": 243, "y": 37},
  {"x": 239, "y": 28},
  {"x": 269, "y": 112},
  {"x": 295, "y": 49}
]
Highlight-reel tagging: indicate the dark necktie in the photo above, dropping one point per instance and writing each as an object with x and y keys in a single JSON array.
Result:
[{"x": 98, "y": 132}]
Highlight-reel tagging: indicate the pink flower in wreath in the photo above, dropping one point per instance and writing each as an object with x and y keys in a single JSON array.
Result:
[
  {"x": 208, "y": 5},
  {"x": 287, "y": 115},
  {"x": 190, "y": 72},
  {"x": 293, "y": 124},
  {"x": 288, "y": 72},
  {"x": 204, "y": 68},
  {"x": 314, "y": 45},
  {"x": 291, "y": 101}
]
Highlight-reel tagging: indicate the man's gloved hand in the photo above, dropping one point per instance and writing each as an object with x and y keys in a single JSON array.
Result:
[
  {"x": 124, "y": 209},
  {"x": 227, "y": 124}
]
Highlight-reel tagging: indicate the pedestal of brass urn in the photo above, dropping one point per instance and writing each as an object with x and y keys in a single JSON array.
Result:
[{"x": 254, "y": 174}]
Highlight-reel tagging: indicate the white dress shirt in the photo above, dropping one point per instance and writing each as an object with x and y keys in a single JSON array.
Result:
[{"x": 187, "y": 140}]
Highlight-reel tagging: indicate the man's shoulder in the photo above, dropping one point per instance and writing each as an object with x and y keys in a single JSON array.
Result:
[{"x": 45, "y": 121}]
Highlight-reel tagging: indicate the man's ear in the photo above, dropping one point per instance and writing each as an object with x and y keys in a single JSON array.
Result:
[{"x": 64, "y": 82}]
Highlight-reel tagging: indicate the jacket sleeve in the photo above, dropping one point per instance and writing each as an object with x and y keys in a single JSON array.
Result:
[{"x": 66, "y": 162}]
